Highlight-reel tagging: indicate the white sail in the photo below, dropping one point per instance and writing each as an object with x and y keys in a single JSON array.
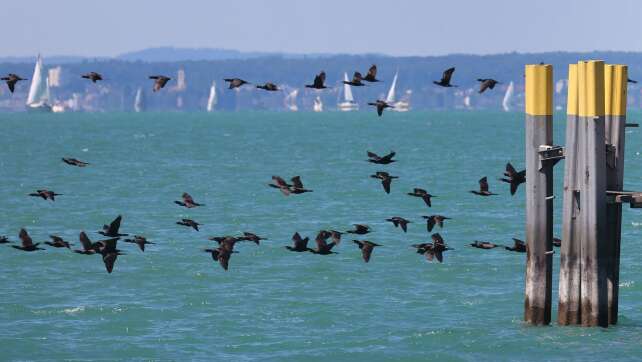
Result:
[
  {"x": 212, "y": 100},
  {"x": 508, "y": 96},
  {"x": 391, "y": 93},
  {"x": 138, "y": 102},
  {"x": 290, "y": 101},
  {"x": 39, "y": 90},
  {"x": 347, "y": 90},
  {"x": 318, "y": 104}
]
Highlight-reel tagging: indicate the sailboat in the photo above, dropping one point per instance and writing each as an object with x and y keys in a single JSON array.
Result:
[
  {"x": 318, "y": 105},
  {"x": 139, "y": 102},
  {"x": 348, "y": 104},
  {"x": 290, "y": 101},
  {"x": 400, "y": 106},
  {"x": 212, "y": 99},
  {"x": 508, "y": 96},
  {"x": 38, "y": 99}
]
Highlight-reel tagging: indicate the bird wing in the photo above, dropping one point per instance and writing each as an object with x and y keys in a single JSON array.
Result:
[
  {"x": 380, "y": 107},
  {"x": 437, "y": 239},
  {"x": 356, "y": 77},
  {"x": 404, "y": 225},
  {"x": 510, "y": 170},
  {"x": 419, "y": 191},
  {"x": 321, "y": 240},
  {"x": 296, "y": 181},
  {"x": 430, "y": 223},
  {"x": 84, "y": 240},
  {"x": 485, "y": 85},
  {"x": 426, "y": 199},
  {"x": 12, "y": 85},
  {"x": 187, "y": 198},
  {"x": 448, "y": 73},
  {"x": 110, "y": 259},
  {"x": 56, "y": 239},
  {"x": 110, "y": 245},
  {"x": 361, "y": 228},
  {"x": 25, "y": 238},
  {"x": 366, "y": 251},
  {"x": 483, "y": 184},
  {"x": 373, "y": 155},
  {"x": 280, "y": 181},
  {"x": 386, "y": 184},
  {"x": 388, "y": 157},
  {"x": 513, "y": 188},
  {"x": 372, "y": 72},
  {"x": 115, "y": 225}
]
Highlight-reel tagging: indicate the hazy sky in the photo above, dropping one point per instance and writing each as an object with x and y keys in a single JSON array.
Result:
[{"x": 396, "y": 27}]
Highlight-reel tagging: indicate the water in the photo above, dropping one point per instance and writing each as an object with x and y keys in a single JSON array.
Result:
[{"x": 174, "y": 303}]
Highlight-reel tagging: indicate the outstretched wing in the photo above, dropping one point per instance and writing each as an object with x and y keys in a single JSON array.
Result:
[
  {"x": 510, "y": 170},
  {"x": 25, "y": 238},
  {"x": 296, "y": 181},
  {"x": 372, "y": 72},
  {"x": 483, "y": 184},
  {"x": 115, "y": 225},
  {"x": 448, "y": 73}
]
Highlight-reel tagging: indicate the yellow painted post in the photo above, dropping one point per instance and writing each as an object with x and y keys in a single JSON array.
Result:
[{"x": 539, "y": 190}]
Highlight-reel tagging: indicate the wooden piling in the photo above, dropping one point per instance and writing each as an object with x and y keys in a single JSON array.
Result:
[
  {"x": 568, "y": 310},
  {"x": 592, "y": 183},
  {"x": 615, "y": 95},
  {"x": 539, "y": 201}
]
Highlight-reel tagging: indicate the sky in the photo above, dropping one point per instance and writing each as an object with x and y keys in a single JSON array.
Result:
[{"x": 394, "y": 27}]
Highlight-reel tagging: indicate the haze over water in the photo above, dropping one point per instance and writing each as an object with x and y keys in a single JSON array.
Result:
[{"x": 174, "y": 303}]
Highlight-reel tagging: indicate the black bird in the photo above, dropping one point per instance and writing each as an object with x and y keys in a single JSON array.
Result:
[
  {"x": 222, "y": 255},
  {"x": 483, "y": 245},
  {"x": 27, "y": 243},
  {"x": 160, "y": 81},
  {"x": 93, "y": 76},
  {"x": 319, "y": 82},
  {"x": 323, "y": 247},
  {"x": 513, "y": 177},
  {"x": 336, "y": 236},
  {"x": 45, "y": 194},
  {"x": 235, "y": 82},
  {"x": 281, "y": 185},
  {"x": 74, "y": 162},
  {"x": 58, "y": 242},
  {"x": 631, "y": 80},
  {"x": 381, "y": 160},
  {"x": 300, "y": 244},
  {"x": 372, "y": 74},
  {"x": 366, "y": 248},
  {"x": 297, "y": 186},
  {"x": 110, "y": 254},
  {"x": 385, "y": 178},
  {"x": 483, "y": 188},
  {"x": 141, "y": 241},
  {"x": 4, "y": 240},
  {"x": 486, "y": 84},
  {"x": 226, "y": 242},
  {"x": 356, "y": 80},
  {"x": 188, "y": 201},
  {"x": 189, "y": 223},
  {"x": 433, "y": 220},
  {"x": 359, "y": 229},
  {"x": 434, "y": 249},
  {"x": 11, "y": 80},
  {"x": 247, "y": 236},
  {"x": 88, "y": 247},
  {"x": 381, "y": 105},
  {"x": 112, "y": 229},
  {"x": 518, "y": 246},
  {"x": 270, "y": 87},
  {"x": 399, "y": 221},
  {"x": 416, "y": 192},
  {"x": 445, "y": 78}
]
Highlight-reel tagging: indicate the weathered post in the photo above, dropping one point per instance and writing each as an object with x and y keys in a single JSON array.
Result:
[
  {"x": 592, "y": 183},
  {"x": 539, "y": 198},
  {"x": 615, "y": 83},
  {"x": 568, "y": 310}
]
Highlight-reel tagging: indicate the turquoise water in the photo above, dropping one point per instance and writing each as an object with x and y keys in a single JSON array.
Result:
[{"x": 174, "y": 303}]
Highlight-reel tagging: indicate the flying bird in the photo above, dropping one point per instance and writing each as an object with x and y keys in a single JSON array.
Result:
[
  {"x": 381, "y": 160},
  {"x": 141, "y": 241},
  {"x": 629, "y": 80},
  {"x": 385, "y": 178},
  {"x": 300, "y": 244},
  {"x": 381, "y": 105},
  {"x": 93, "y": 76},
  {"x": 11, "y": 80},
  {"x": 58, "y": 242},
  {"x": 27, "y": 243},
  {"x": 434, "y": 249},
  {"x": 323, "y": 247},
  {"x": 110, "y": 254},
  {"x": 445, "y": 78},
  {"x": 372, "y": 74},
  {"x": 417, "y": 192},
  {"x": 366, "y": 248},
  {"x": 226, "y": 242},
  {"x": 160, "y": 81},
  {"x": 518, "y": 246},
  {"x": 74, "y": 162},
  {"x": 4, "y": 240},
  {"x": 399, "y": 221},
  {"x": 222, "y": 255},
  {"x": 89, "y": 247},
  {"x": 45, "y": 194},
  {"x": 356, "y": 80},
  {"x": 557, "y": 242},
  {"x": 280, "y": 184},
  {"x": 270, "y": 87},
  {"x": 486, "y": 84},
  {"x": 513, "y": 178},
  {"x": 251, "y": 237},
  {"x": 189, "y": 223},
  {"x": 112, "y": 229},
  {"x": 297, "y": 186},
  {"x": 336, "y": 236},
  {"x": 433, "y": 220},
  {"x": 483, "y": 188},
  {"x": 235, "y": 82},
  {"x": 359, "y": 229},
  {"x": 319, "y": 82},
  {"x": 483, "y": 245},
  {"x": 188, "y": 201}
]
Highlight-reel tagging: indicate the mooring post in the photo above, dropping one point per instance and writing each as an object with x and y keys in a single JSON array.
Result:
[
  {"x": 592, "y": 183},
  {"x": 539, "y": 192},
  {"x": 615, "y": 83},
  {"x": 568, "y": 310}
]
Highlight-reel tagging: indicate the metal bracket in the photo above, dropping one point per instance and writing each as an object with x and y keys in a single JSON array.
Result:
[
  {"x": 550, "y": 155},
  {"x": 633, "y": 198}
]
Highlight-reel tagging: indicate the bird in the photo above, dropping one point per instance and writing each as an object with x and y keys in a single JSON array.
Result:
[
  {"x": 297, "y": 186},
  {"x": 189, "y": 223},
  {"x": 433, "y": 220},
  {"x": 222, "y": 255},
  {"x": 235, "y": 82},
  {"x": 160, "y": 81},
  {"x": 399, "y": 221},
  {"x": 251, "y": 237},
  {"x": 629, "y": 80},
  {"x": 483, "y": 245},
  {"x": 417, "y": 192},
  {"x": 4, "y": 240},
  {"x": 513, "y": 178},
  {"x": 300, "y": 244},
  {"x": 141, "y": 241},
  {"x": 226, "y": 242},
  {"x": 11, "y": 80},
  {"x": 445, "y": 78},
  {"x": 557, "y": 242},
  {"x": 93, "y": 76},
  {"x": 89, "y": 247},
  {"x": 112, "y": 229},
  {"x": 58, "y": 242},
  {"x": 356, "y": 80},
  {"x": 280, "y": 184},
  {"x": 372, "y": 74},
  {"x": 381, "y": 105},
  {"x": 323, "y": 247},
  {"x": 486, "y": 83},
  {"x": 366, "y": 248},
  {"x": 359, "y": 229},
  {"x": 319, "y": 81},
  {"x": 434, "y": 249},
  {"x": 27, "y": 243},
  {"x": 483, "y": 188},
  {"x": 336, "y": 236},
  {"x": 381, "y": 160},
  {"x": 188, "y": 201},
  {"x": 386, "y": 179},
  {"x": 518, "y": 246},
  {"x": 270, "y": 87},
  {"x": 45, "y": 194},
  {"x": 74, "y": 162},
  {"x": 110, "y": 254}
]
